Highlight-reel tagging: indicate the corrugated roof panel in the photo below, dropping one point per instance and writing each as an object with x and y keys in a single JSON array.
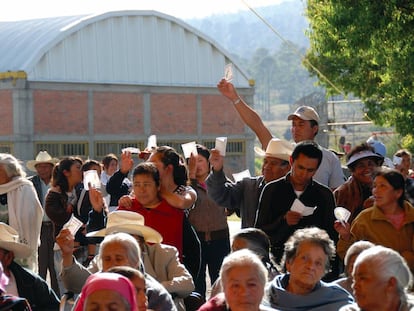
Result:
[{"x": 134, "y": 47}]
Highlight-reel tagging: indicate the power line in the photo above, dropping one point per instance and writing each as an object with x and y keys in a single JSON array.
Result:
[{"x": 293, "y": 48}]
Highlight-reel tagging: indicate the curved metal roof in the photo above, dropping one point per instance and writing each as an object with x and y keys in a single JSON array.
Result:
[{"x": 128, "y": 47}]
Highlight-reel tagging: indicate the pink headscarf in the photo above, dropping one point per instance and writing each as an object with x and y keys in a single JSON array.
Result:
[
  {"x": 4, "y": 280},
  {"x": 111, "y": 281}
]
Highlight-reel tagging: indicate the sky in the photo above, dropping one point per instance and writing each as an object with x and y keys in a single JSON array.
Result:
[{"x": 184, "y": 9}]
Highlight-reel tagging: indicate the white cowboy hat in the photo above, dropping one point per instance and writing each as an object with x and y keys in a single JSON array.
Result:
[
  {"x": 9, "y": 240},
  {"x": 42, "y": 157},
  {"x": 276, "y": 148},
  {"x": 128, "y": 222}
]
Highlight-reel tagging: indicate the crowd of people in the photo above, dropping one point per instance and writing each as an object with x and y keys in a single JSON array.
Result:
[{"x": 154, "y": 236}]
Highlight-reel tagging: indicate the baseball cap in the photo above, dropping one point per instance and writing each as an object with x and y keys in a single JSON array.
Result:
[{"x": 305, "y": 113}]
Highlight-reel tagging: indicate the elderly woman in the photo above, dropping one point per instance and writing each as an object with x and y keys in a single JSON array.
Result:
[
  {"x": 381, "y": 278},
  {"x": 390, "y": 222},
  {"x": 362, "y": 163},
  {"x": 243, "y": 277},
  {"x": 117, "y": 249},
  {"x": 107, "y": 291},
  {"x": 19, "y": 206},
  {"x": 349, "y": 260},
  {"x": 307, "y": 258}
]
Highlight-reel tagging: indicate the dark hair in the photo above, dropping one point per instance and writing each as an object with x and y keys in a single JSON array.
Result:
[
  {"x": 314, "y": 123},
  {"x": 313, "y": 235},
  {"x": 88, "y": 164},
  {"x": 308, "y": 148},
  {"x": 203, "y": 151},
  {"x": 127, "y": 272},
  {"x": 259, "y": 243},
  {"x": 169, "y": 156},
  {"x": 108, "y": 158},
  {"x": 359, "y": 148},
  {"x": 58, "y": 176},
  {"x": 395, "y": 179},
  {"x": 147, "y": 168}
]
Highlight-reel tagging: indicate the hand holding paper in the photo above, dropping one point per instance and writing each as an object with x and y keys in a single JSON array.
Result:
[{"x": 299, "y": 207}]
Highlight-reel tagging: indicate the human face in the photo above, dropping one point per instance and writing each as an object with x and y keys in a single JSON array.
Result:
[
  {"x": 243, "y": 289},
  {"x": 104, "y": 300},
  {"x": 141, "y": 296},
  {"x": 363, "y": 170},
  {"x": 368, "y": 286},
  {"x": 112, "y": 167},
  {"x": 302, "y": 130},
  {"x": 405, "y": 165},
  {"x": 274, "y": 168},
  {"x": 203, "y": 167},
  {"x": 74, "y": 175},
  {"x": 44, "y": 171},
  {"x": 156, "y": 159},
  {"x": 4, "y": 179},
  {"x": 114, "y": 254},
  {"x": 307, "y": 268},
  {"x": 146, "y": 190},
  {"x": 303, "y": 169},
  {"x": 385, "y": 195}
]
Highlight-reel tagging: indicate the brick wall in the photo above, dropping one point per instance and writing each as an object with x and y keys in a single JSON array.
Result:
[{"x": 6, "y": 112}]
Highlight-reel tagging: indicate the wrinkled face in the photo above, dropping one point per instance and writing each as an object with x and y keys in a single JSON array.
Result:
[
  {"x": 303, "y": 169},
  {"x": 308, "y": 266},
  {"x": 105, "y": 300},
  {"x": 145, "y": 189},
  {"x": 4, "y": 179},
  {"x": 274, "y": 168},
  {"x": 384, "y": 194},
  {"x": 114, "y": 254},
  {"x": 243, "y": 289},
  {"x": 363, "y": 170},
  {"x": 302, "y": 130},
  {"x": 44, "y": 170},
  {"x": 368, "y": 287}
]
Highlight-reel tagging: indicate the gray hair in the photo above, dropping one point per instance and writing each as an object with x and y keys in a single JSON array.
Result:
[
  {"x": 11, "y": 165},
  {"x": 242, "y": 258},
  {"x": 389, "y": 263},
  {"x": 355, "y": 249},
  {"x": 313, "y": 235},
  {"x": 133, "y": 251}
]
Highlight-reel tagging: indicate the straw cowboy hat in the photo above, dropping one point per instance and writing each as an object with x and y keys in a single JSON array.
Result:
[
  {"x": 276, "y": 148},
  {"x": 42, "y": 157},
  {"x": 9, "y": 240},
  {"x": 128, "y": 222}
]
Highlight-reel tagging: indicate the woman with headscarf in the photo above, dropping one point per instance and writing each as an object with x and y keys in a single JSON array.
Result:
[{"x": 20, "y": 207}]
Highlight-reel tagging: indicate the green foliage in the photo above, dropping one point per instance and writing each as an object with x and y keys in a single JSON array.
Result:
[
  {"x": 365, "y": 48},
  {"x": 258, "y": 166}
]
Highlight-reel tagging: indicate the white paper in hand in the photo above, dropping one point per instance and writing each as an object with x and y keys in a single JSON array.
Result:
[
  {"x": 131, "y": 150},
  {"x": 73, "y": 225},
  {"x": 301, "y": 208},
  {"x": 342, "y": 214},
  {"x": 228, "y": 72},
  {"x": 152, "y": 142},
  {"x": 221, "y": 143},
  {"x": 243, "y": 174},
  {"x": 189, "y": 148}
]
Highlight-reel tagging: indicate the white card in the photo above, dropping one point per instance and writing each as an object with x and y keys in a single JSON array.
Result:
[
  {"x": 131, "y": 150},
  {"x": 243, "y": 174},
  {"x": 73, "y": 225},
  {"x": 189, "y": 148},
  {"x": 91, "y": 177},
  {"x": 228, "y": 72},
  {"x": 301, "y": 208},
  {"x": 342, "y": 214},
  {"x": 221, "y": 143},
  {"x": 152, "y": 142}
]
